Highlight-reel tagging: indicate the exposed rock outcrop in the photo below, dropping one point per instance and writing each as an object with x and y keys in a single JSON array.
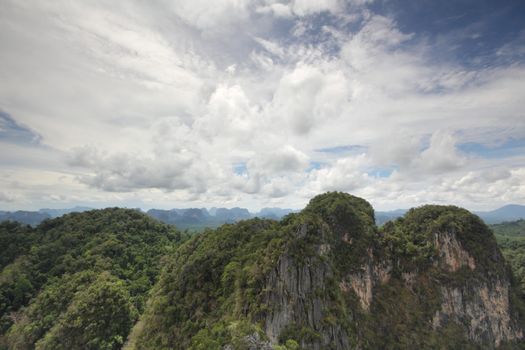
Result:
[
  {"x": 371, "y": 274},
  {"x": 484, "y": 308},
  {"x": 474, "y": 284},
  {"x": 296, "y": 298},
  {"x": 480, "y": 302},
  {"x": 328, "y": 278},
  {"x": 452, "y": 256}
]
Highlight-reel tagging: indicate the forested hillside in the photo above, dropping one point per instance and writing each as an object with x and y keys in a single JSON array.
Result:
[
  {"x": 324, "y": 278},
  {"x": 79, "y": 281},
  {"x": 511, "y": 239},
  {"x": 328, "y": 278}
]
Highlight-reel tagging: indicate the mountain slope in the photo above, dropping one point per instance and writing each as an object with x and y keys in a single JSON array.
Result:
[
  {"x": 511, "y": 212},
  {"x": 81, "y": 280},
  {"x": 328, "y": 278},
  {"x": 511, "y": 239},
  {"x": 32, "y": 218}
]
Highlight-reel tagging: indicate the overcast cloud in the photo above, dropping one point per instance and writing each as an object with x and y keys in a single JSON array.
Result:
[{"x": 261, "y": 103}]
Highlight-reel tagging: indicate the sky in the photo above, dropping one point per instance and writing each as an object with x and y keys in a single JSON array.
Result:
[{"x": 264, "y": 103}]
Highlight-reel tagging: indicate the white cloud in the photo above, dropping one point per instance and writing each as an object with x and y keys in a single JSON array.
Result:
[
  {"x": 126, "y": 172},
  {"x": 308, "y": 7},
  {"x": 308, "y": 95},
  {"x": 279, "y": 161},
  {"x": 206, "y": 16},
  {"x": 275, "y": 8},
  {"x": 6, "y": 197},
  {"x": 300, "y": 8},
  {"x": 158, "y": 103},
  {"x": 441, "y": 156},
  {"x": 346, "y": 174},
  {"x": 230, "y": 115}
]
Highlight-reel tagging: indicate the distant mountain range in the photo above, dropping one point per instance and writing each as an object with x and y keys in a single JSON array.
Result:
[
  {"x": 195, "y": 218},
  {"x": 55, "y": 213},
  {"x": 33, "y": 218},
  {"x": 198, "y": 218},
  {"x": 188, "y": 218},
  {"x": 384, "y": 216},
  {"x": 510, "y": 212}
]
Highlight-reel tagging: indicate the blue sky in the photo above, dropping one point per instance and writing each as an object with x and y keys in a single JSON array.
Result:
[
  {"x": 261, "y": 103},
  {"x": 469, "y": 32},
  {"x": 12, "y": 132}
]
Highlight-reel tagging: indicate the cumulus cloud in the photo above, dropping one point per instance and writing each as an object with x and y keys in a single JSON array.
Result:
[
  {"x": 346, "y": 174},
  {"x": 125, "y": 172},
  {"x": 441, "y": 155},
  {"x": 222, "y": 13},
  {"x": 230, "y": 115},
  {"x": 308, "y": 95},
  {"x": 161, "y": 103},
  {"x": 280, "y": 161},
  {"x": 300, "y": 8},
  {"x": 308, "y": 7}
]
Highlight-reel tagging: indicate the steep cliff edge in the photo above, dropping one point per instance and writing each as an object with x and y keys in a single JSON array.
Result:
[{"x": 328, "y": 278}]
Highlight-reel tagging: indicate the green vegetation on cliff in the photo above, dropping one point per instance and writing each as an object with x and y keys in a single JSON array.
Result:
[
  {"x": 324, "y": 278},
  {"x": 214, "y": 279},
  {"x": 412, "y": 237},
  {"x": 329, "y": 278}
]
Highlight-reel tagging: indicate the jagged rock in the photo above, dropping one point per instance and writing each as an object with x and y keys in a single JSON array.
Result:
[
  {"x": 451, "y": 254},
  {"x": 293, "y": 299},
  {"x": 482, "y": 305},
  {"x": 484, "y": 308},
  {"x": 370, "y": 275}
]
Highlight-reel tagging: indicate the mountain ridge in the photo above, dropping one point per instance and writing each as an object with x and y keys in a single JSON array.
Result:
[
  {"x": 328, "y": 278},
  {"x": 324, "y": 278}
]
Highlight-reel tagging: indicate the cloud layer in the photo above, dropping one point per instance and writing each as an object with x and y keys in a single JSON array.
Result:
[{"x": 252, "y": 103}]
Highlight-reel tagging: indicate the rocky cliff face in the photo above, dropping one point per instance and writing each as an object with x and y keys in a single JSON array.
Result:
[
  {"x": 328, "y": 278},
  {"x": 296, "y": 297},
  {"x": 451, "y": 255},
  {"x": 482, "y": 302},
  {"x": 483, "y": 308},
  {"x": 477, "y": 299},
  {"x": 370, "y": 275}
]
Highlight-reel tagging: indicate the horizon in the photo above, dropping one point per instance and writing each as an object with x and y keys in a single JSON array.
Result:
[
  {"x": 250, "y": 210},
  {"x": 262, "y": 103}
]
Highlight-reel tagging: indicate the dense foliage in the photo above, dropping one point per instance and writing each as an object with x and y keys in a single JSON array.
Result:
[
  {"x": 115, "y": 278},
  {"x": 79, "y": 281},
  {"x": 199, "y": 286},
  {"x": 218, "y": 278},
  {"x": 511, "y": 239},
  {"x": 410, "y": 238},
  {"x": 212, "y": 293},
  {"x": 15, "y": 240}
]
